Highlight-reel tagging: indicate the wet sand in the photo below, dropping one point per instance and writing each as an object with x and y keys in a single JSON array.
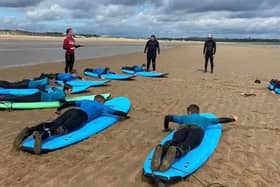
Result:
[
  {"x": 25, "y": 50},
  {"x": 249, "y": 151}
]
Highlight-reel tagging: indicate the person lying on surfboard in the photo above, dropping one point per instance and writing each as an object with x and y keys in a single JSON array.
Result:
[
  {"x": 135, "y": 68},
  {"x": 69, "y": 121},
  {"x": 99, "y": 71},
  {"x": 188, "y": 137},
  {"x": 63, "y": 76},
  {"x": 44, "y": 95},
  {"x": 26, "y": 83}
]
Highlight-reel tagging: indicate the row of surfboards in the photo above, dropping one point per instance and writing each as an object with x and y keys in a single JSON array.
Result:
[
  {"x": 78, "y": 86},
  {"x": 179, "y": 170},
  {"x": 129, "y": 74}
]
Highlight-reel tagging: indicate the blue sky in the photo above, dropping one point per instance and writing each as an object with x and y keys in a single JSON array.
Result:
[{"x": 141, "y": 18}]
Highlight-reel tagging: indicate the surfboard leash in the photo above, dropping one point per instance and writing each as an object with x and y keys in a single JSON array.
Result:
[{"x": 208, "y": 185}]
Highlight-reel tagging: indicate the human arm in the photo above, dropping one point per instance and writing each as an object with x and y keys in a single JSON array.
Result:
[
  {"x": 158, "y": 47},
  {"x": 77, "y": 46},
  {"x": 66, "y": 104},
  {"x": 146, "y": 47},
  {"x": 111, "y": 111},
  {"x": 204, "y": 48},
  {"x": 167, "y": 119},
  {"x": 66, "y": 44},
  {"x": 224, "y": 120},
  {"x": 214, "y": 48}
]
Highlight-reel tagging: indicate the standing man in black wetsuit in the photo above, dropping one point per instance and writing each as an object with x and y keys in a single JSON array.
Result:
[
  {"x": 152, "y": 48},
  {"x": 209, "y": 52}
]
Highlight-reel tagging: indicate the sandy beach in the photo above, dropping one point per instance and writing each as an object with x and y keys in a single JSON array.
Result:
[{"x": 248, "y": 154}]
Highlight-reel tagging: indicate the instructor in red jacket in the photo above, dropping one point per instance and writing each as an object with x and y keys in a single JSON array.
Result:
[{"x": 69, "y": 46}]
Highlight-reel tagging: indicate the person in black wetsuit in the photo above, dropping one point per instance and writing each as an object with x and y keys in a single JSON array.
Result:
[
  {"x": 151, "y": 49},
  {"x": 209, "y": 52},
  {"x": 26, "y": 83},
  {"x": 44, "y": 95},
  {"x": 69, "y": 121},
  {"x": 188, "y": 137},
  {"x": 136, "y": 68},
  {"x": 65, "y": 77}
]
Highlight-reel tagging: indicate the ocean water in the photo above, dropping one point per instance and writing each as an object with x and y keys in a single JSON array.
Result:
[{"x": 21, "y": 53}]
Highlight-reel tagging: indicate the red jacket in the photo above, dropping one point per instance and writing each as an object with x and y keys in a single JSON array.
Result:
[{"x": 69, "y": 45}]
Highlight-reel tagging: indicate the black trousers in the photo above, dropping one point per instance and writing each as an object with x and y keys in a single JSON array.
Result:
[
  {"x": 70, "y": 120},
  {"x": 69, "y": 62},
  {"x": 209, "y": 56},
  {"x": 26, "y": 98},
  {"x": 185, "y": 139},
  {"x": 19, "y": 84},
  {"x": 151, "y": 58}
]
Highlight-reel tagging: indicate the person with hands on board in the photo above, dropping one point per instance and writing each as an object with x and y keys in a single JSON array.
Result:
[
  {"x": 47, "y": 94},
  {"x": 65, "y": 77},
  {"x": 186, "y": 138},
  {"x": 69, "y": 121}
]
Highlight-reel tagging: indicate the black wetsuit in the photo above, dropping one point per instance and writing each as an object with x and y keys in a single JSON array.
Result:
[
  {"x": 151, "y": 48},
  {"x": 69, "y": 121},
  {"x": 26, "y": 98},
  {"x": 189, "y": 136},
  {"x": 209, "y": 51},
  {"x": 25, "y": 83},
  {"x": 19, "y": 84}
]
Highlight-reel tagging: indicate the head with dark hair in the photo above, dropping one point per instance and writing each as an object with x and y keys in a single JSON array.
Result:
[
  {"x": 52, "y": 76},
  {"x": 69, "y": 32},
  {"x": 67, "y": 88},
  {"x": 143, "y": 65},
  {"x": 99, "y": 98},
  {"x": 193, "y": 109},
  {"x": 153, "y": 37}
]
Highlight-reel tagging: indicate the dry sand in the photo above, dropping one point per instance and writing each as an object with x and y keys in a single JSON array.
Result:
[{"x": 249, "y": 151}]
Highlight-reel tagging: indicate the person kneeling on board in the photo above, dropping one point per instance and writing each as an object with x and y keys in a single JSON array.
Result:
[
  {"x": 63, "y": 76},
  {"x": 26, "y": 83},
  {"x": 135, "y": 68},
  {"x": 188, "y": 137},
  {"x": 69, "y": 121},
  {"x": 44, "y": 95},
  {"x": 99, "y": 71}
]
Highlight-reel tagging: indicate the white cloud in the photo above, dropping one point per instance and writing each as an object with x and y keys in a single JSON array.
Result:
[{"x": 177, "y": 18}]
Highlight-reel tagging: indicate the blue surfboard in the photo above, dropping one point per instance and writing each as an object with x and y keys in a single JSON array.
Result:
[
  {"x": 79, "y": 89},
  {"x": 110, "y": 76},
  {"x": 89, "y": 83},
  {"x": 27, "y": 91},
  {"x": 192, "y": 161},
  {"x": 91, "y": 128},
  {"x": 145, "y": 73}
]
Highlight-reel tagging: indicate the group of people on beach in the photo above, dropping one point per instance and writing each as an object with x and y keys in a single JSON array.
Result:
[
  {"x": 152, "y": 49},
  {"x": 185, "y": 139}
]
